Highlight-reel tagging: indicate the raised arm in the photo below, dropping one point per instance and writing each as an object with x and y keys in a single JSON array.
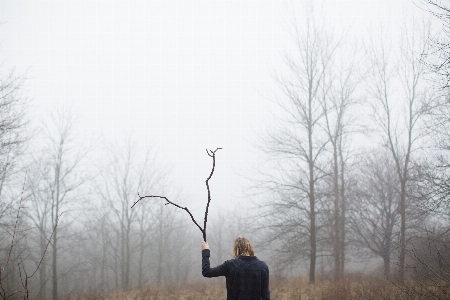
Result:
[{"x": 207, "y": 271}]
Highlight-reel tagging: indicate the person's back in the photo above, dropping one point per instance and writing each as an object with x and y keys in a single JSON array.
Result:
[{"x": 247, "y": 277}]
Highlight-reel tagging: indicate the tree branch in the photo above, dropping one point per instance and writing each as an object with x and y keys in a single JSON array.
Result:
[{"x": 203, "y": 230}]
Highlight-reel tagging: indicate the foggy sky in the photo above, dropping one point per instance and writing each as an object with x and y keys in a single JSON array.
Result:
[{"x": 183, "y": 75}]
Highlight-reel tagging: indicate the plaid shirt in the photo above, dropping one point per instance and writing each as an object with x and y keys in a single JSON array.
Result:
[{"x": 247, "y": 277}]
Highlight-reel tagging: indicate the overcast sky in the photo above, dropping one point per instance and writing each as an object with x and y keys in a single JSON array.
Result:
[{"x": 185, "y": 75}]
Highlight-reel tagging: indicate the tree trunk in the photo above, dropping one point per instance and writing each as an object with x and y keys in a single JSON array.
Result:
[
  {"x": 116, "y": 262},
  {"x": 342, "y": 216},
  {"x": 387, "y": 265},
  {"x": 102, "y": 270},
  {"x": 127, "y": 256},
  {"x": 160, "y": 248},
  {"x": 42, "y": 269},
  {"x": 312, "y": 264},
  {"x": 141, "y": 261},
  {"x": 312, "y": 200},
  {"x": 54, "y": 266},
  {"x": 336, "y": 216},
  {"x": 402, "y": 231},
  {"x": 312, "y": 213},
  {"x": 122, "y": 256}
]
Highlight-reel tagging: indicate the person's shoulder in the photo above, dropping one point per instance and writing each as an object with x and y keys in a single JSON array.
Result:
[
  {"x": 262, "y": 263},
  {"x": 228, "y": 262},
  {"x": 233, "y": 263}
]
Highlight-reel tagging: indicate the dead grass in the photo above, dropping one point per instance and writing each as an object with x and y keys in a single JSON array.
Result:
[{"x": 293, "y": 289}]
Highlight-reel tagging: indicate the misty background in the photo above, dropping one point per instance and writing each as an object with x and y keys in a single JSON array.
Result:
[{"x": 102, "y": 100}]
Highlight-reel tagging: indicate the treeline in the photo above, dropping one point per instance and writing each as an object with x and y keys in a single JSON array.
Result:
[
  {"x": 357, "y": 158},
  {"x": 73, "y": 223},
  {"x": 67, "y": 222},
  {"x": 68, "y": 226}
]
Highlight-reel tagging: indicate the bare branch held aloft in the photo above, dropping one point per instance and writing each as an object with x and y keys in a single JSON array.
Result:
[{"x": 203, "y": 230}]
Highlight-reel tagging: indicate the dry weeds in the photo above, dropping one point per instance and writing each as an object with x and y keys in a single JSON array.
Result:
[{"x": 293, "y": 289}]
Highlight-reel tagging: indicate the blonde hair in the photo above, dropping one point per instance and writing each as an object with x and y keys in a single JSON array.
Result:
[{"x": 242, "y": 246}]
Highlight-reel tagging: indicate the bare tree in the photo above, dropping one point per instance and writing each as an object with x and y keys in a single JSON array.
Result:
[
  {"x": 13, "y": 262},
  {"x": 296, "y": 149},
  {"x": 126, "y": 172},
  {"x": 165, "y": 227},
  {"x": 429, "y": 263},
  {"x": 339, "y": 99},
  {"x": 398, "y": 114},
  {"x": 13, "y": 137},
  {"x": 437, "y": 57},
  {"x": 38, "y": 214},
  {"x": 13, "y": 131},
  {"x": 374, "y": 214},
  {"x": 146, "y": 227},
  {"x": 13, "y": 118},
  {"x": 435, "y": 167},
  {"x": 56, "y": 178}
]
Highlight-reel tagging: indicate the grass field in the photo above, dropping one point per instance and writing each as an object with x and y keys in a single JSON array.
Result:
[{"x": 294, "y": 289}]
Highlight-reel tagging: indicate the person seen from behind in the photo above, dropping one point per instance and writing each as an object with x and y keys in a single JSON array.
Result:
[{"x": 247, "y": 277}]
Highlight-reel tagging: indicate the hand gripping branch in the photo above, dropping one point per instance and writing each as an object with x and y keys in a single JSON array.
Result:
[{"x": 203, "y": 230}]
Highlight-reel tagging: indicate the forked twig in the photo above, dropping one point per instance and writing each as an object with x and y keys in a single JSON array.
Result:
[
  {"x": 46, "y": 246},
  {"x": 203, "y": 230},
  {"x": 23, "y": 274}
]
